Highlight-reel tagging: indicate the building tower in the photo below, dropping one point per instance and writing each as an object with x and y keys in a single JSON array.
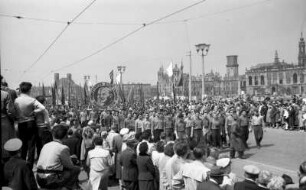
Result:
[
  {"x": 276, "y": 59},
  {"x": 302, "y": 54},
  {"x": 232, "y": 66}
]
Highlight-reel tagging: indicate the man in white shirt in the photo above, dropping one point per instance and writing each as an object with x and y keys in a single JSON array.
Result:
[
  {"x": 54, "y": 167},
  {"x": 99, "y": 161},
  {"x": 26, "y": 109}
]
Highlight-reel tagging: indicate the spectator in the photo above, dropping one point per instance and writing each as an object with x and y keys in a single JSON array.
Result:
[
  {"x": 99, "y": 161},
  {"x": 27, "y": 107},
  {"x": 146, "y": 171},
  {"x": 216, "y": 178},
  {"x": 16, "y": 171},
  {"x": 276, "y": 183},
  {"x": 264, "y": 178},
  {"x": 229, "y": 178},
  {"x": 168, "y": 153},
  {"x": 54, "y": 167},
  {"x": 191, "y": 174},
  {"x": 251, "y": 174}
]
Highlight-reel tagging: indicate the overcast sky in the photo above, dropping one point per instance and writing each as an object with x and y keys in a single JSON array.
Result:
[{"x": 251, "y": 29}]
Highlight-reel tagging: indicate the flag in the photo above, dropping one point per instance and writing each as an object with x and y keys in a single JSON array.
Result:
[
  {"x": 53, "y": 97},
  {"x": 157, "y": 95},
  {"x": 180, "y": 80},
  {"x": 169, "y": 70},
  {"x": 69, "y": 93},
  {"x": 131, "y": 96},
  {"x": 141, "y": 95},
  {"x": 43, "y": 90},
  {"x": 85, "y": 94},
  {"x": 174, "y": 93},
  {"x": 111, "y": 76},
  {"x": 118, "y": 78},
  {"x": 63, "y": 95}
]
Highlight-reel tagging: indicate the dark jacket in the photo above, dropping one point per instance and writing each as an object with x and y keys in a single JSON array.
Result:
[
  {"x": 208, "y": 185},
  {"x": 74, "y": 145},
  {"x": 19, "y": 175},
  {"x": 146, "y": 170},
  {"x": 247, "y": 184},
  {"x": 128, "y": 162}
]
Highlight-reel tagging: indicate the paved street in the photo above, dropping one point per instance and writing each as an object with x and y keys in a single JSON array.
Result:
[{"x": 281, "y": 152}]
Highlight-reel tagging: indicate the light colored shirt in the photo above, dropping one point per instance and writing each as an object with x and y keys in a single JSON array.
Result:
[
  {"x": 54, "y": 156},
  {"x": 99, "y": 159},
  {"x": 26, "y": 106},
  {"x": 257, "y": 120},
  {"x": 190, "y": 175}
]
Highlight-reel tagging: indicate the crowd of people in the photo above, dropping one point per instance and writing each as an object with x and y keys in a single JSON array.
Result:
[{"x": 156, "y": 144}]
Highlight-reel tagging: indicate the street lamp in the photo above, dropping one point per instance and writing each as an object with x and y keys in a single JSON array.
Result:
[
  {"x": 204, "y": 51},
  {"x": 121, "y": 70}
]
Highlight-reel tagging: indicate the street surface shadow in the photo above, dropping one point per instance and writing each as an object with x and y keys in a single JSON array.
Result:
[{"x": 262, "y": 146}]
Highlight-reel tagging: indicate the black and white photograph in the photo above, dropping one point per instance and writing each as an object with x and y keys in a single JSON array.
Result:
[{"x": 153, "y": 94}]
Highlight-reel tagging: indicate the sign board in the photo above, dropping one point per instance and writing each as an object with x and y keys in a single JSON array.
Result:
[{"x": 103, "y": 94}]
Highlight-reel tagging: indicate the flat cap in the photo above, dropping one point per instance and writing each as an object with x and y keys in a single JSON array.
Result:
[
  {"x": 124, "y": 131},
  {"x": 13, "y": 145},
  {"x": 223, "y": 162},
  {"x": 250, "y": 169}
]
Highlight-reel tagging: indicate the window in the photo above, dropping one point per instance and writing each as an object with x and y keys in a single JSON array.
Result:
[
  {"x": 280, "y": 81},
  {"x": 250, "y": 80},
  {"x": 295, "y": 78},
  {"x": 262, "y": 80},
  {"x": 301, "y": 78},
  {"x": 256, "y": 80}
]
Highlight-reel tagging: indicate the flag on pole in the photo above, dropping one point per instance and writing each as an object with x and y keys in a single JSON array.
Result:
[
  {"x": 131, "y": 96},
  {"x": 63, "y": 95},
  {"x": 118, "y": 78},
  {"x": 85, "y": 94},
  {"x": 157, "y": 95},
  {"x": 43, "y": 90},
  {"x": 180, "y": 79},
  {"x": 53, "y": 97},
  {"x": 169, "y": 70},
  {"x": 111, "y": 76}
]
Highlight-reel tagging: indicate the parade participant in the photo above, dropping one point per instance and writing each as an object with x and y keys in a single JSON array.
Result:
[
  {"x": 139, "y": 124},
  {"x": 43, "y": 124},
  {"x": 257, "y": 124},
  {"x": 128, "y": 161},
  {"x": 215, "y": 129},
  {"x": 193, "y": 173},
  {"x": 169, "y": 126},
  {"x": 54, "y": 167},
  {"x": 251, "y": 174},
  {"x": 216, "y": 178},
  {"x": 180, "y": 127},
  {"x": 243, "y": 123},
  {"x": 99, "y": 161},
  {"x": 228, "y": 123},
  {"x": 121, "y": 119},
  {"x": 197, "y": 130},
  {"x": 189, "y": 124},
  {"x": 236, "y": 142},
  {"x": 158, "y": 126},
  {"x": 129, "y": 122},
  {"x": 146, "y": 170},
  {"x": 27, "y": 107},
  {"x": 147, "y": 124},
  {"x": 16, "y": 171},
  {"x": 86, "y": 145},
  {"x": 107, "y": 120},
  {"x": 145, "y": 136}
]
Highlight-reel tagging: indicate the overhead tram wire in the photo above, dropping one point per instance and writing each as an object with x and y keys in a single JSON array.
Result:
[
  {"x": 133, "y": 23},
  {"x": 57, "y": 37},
  {"x": 125, "y": 36}
]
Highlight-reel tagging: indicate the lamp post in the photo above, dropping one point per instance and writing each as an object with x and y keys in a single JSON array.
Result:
[
  {"x": 204, "y": 51},
  {"x": 121, "y": 70}
]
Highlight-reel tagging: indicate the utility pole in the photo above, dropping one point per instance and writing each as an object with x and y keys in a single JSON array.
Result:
[{"x": 190, "y": 75}]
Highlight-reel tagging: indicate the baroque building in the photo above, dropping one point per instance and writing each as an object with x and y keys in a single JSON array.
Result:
[{"x": 278, "y": 77}]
